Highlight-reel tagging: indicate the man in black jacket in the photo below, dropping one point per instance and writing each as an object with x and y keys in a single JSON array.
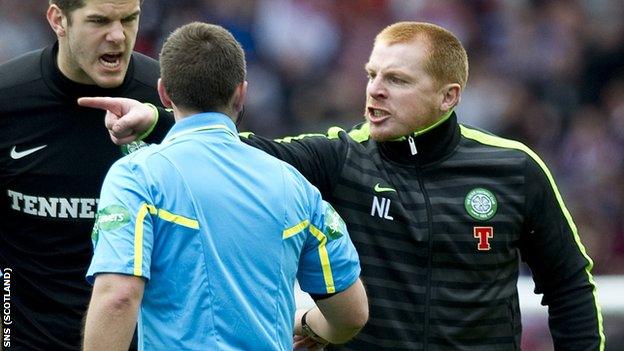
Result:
[
  {"x": 440, "y": 213},
  {"x": 53, "y": 158}
]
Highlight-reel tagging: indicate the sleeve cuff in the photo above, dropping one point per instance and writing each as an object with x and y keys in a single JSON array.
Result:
[{"x": 154, "y": 122}]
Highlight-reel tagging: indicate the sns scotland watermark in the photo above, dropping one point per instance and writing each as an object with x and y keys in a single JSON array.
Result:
[{"x": 6, "y": 307}]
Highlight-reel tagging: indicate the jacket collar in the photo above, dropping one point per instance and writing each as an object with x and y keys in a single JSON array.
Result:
[{"x": 424, "y": 147}]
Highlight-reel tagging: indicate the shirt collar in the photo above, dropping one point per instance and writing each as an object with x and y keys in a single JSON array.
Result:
[
  {"x": 202, "y": 121},
  {"x": 432, "y": 144},
  {"x": 442, "y": 119}
]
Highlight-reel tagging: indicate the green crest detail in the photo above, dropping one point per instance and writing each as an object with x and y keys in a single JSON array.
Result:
[
  {"x": 481, "y": 204},
  {"x": 133, "y": 146},
  {"x": 112, "y": 217},
  {"x": 335, "y": 227},
  {"x": 95, "y": 233}
]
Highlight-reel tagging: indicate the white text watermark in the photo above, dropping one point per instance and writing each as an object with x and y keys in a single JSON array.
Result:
[{"x": 6, "y": 307}]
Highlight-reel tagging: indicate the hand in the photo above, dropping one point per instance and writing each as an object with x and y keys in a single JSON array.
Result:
[
  {"x": 306, "y": 343},
  {"x": 303, "y": 342},
  {"x": 125, "y": 119}
]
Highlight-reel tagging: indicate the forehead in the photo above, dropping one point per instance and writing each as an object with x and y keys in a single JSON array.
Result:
[
  {"x": 109, "y": 8},
  {"x": 402, "y": 56}
]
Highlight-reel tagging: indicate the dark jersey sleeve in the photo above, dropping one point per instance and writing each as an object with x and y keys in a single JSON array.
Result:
[
  {"x": 318, "y": 157},
  {"x": 560, "y": 266},
  {"x": 164, "y": 123}
]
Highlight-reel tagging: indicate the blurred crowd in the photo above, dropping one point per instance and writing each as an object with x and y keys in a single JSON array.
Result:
[{"x": 549, "y": 73}]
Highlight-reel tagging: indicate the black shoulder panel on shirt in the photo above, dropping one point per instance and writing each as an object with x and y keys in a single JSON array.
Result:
[
  {"x": 19, "y": 70},
  {"x": 145, "y": 69}
]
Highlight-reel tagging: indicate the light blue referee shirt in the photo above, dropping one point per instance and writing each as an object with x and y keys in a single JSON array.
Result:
[{"x": 219, "y": 230}]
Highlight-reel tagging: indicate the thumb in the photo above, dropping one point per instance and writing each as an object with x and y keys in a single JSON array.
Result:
[{"x": 122, "y": 125}]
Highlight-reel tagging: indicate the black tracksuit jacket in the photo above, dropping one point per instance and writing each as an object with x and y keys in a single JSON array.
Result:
[
  {"x": 54, "y": 155},
  {"x": 441, "y": 226}
]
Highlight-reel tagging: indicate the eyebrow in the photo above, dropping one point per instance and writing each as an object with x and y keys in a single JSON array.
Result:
[
  {"x": 134, "y": 14},
  {"x": 388, "y": 71},
  {"x": 95, "y": 16}
]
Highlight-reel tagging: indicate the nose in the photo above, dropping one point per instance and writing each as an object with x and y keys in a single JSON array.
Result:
[
  {"x": 116, "y": 32},
  {"x": 376, "y": 89}
]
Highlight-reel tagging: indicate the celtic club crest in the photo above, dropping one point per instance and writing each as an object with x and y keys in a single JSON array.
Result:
[{"x": 481, "y": 204}]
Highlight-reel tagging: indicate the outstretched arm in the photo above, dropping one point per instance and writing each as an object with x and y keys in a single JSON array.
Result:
[{"x": 318, "y": 157}]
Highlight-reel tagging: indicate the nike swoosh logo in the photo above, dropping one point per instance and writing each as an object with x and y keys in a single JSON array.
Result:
[
  {"x": 380, "y": 189},
  {"x": 16, "y": 155}
]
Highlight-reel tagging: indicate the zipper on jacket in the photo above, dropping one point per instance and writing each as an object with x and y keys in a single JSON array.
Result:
[
  {"x": 427, "y": 314},
  {"x": 412, "y": 145}
]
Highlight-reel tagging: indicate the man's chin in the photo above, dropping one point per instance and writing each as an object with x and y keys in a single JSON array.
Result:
[
  {"x": 379, "y": 135},
  {"x": 109, "y": 82},
  {"x": 105, "y": 78}
]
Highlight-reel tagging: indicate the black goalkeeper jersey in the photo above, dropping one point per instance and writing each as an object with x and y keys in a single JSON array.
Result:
[
  {"x": 54, "y": 155},
  {"x": 441, "y": 221}
]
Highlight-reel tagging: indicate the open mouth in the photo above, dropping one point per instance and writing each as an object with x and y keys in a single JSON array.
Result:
[
  {"x": 111, "y": 60},
  {"x": 376, "y": 115}
]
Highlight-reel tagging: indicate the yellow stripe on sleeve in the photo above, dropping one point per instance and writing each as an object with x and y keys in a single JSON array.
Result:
[
  {"x": 177, "y": 219},
  {"x": 298, "y": 137},
  {"x": 138, "y": 239},
  {"x": 488, "y": 139},
  {"x": 296, "y": 229},
  {"x": 138, "y": 230},
  {"x": 324, "y": 256}
]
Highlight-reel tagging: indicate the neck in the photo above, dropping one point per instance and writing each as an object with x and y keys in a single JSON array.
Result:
[
  {"x": 181, "y": 113},
  {"x": 423, "y": 130},
  {"x": 440, "y": 120},
  {"x": 67, "y": 68}
]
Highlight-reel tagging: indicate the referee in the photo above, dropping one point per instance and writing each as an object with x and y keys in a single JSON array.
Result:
[{"x": 207, "y": 256}]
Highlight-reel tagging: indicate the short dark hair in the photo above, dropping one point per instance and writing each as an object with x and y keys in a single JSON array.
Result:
[
  {"x": 200, "y": 66},
  {"x": 68, "y": 5}
]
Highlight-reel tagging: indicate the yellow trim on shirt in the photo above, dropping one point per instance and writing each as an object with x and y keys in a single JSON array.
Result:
[
  {"x": 138, "y": 240},
  {"x": 324, "y": 257},
  {"x": 138, "y": 230},
  {"x": 177, "y": 219},
  {"x": 296, "y": 229},
  {"x": 489, "y": 139}
]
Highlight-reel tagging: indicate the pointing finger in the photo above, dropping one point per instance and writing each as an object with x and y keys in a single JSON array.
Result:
[{"x": 103, "y": 103}]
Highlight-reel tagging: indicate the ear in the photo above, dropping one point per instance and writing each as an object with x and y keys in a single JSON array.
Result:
[
  {"x": 164, "y": 96},
  {"x": 57, "y": 20},
  {"x": 239, "y": 96},
  {"x": 451, "y": 95}
]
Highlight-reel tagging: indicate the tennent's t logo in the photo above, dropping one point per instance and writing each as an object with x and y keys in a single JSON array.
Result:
[{"x": 484, "y": 234}]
